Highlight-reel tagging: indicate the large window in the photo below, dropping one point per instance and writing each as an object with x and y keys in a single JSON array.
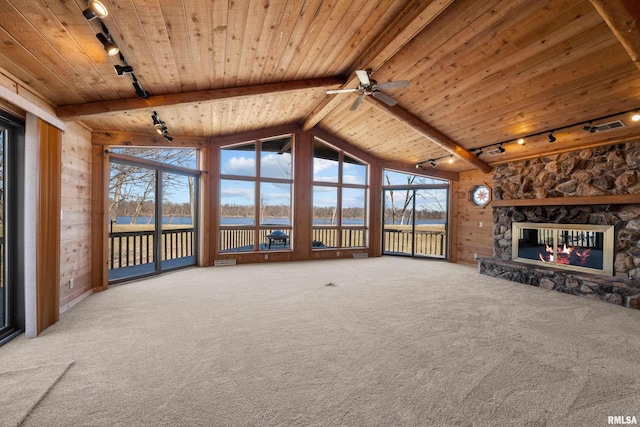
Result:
[
  {"x": 255, "y": 196},
  {"x": 339, "y": 198}
]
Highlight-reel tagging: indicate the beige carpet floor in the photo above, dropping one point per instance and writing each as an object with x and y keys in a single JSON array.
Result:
[{"x": 370, "y": 342}]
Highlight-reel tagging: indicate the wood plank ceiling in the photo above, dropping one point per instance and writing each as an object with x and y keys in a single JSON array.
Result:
[{"x": 481, "y": 72}]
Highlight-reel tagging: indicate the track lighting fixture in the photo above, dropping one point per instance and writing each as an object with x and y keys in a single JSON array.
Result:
[
  {"x": 123, "y": 69},
  {"x": 140, "y": 92},
  {"x": 95, "y": 9},
  {"x": 432, "y": 163},
  {"x": 586, "y": 125},
  {"x": 450, "y": 161},
  {"x": 156, "y": 119},
  {"x": 161, "y": 127},
  {"x": 109, "y": 46}
]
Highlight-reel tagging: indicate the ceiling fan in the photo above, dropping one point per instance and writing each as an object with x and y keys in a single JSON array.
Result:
[{"x": 368, "y": 86}]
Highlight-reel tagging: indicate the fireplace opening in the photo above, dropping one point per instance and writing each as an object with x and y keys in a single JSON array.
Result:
[{"x": 579, "y": 247}]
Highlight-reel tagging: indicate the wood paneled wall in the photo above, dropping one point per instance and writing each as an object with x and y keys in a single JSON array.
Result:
[
  {"x": 49, "y": 142},
  {"x": 75, "y": 221},
  {"x": 473, "y": 232}
]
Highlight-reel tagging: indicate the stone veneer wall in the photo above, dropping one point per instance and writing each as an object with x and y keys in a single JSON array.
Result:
[{"x": 599, "y": 171}]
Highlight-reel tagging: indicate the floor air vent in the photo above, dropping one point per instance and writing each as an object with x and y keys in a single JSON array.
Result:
[
  {"x": 360, "y": 255},
  {"x": 223, "y": 262},
  {"x": 609, "y": 126}
]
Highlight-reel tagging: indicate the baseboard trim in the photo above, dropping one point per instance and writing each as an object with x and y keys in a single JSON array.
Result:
[{"x": 75, "y": 301}]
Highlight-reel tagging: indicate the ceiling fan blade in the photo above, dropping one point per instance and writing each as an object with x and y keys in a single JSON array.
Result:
[
  {"x": 363, "y": 75},
  {"x": 357, "y": 102},
  {"x": 334, "y": 91},
  {"x": 401, "y": 83},
  {"x": 385, "y": 98}
]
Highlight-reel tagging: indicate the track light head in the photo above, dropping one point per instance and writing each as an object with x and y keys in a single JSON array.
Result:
[
  {"x": 95, "y": 9},
  {"x": 552, "y": 138},
  {"x": 450, "y": 161},
  {"x": 636, "y": 116},
  {"x": 432, "y": 163},
  {"x": 479, "y": 153},
  {"x": 418, "y": 165},
  {"x": 109, "y": 46},
  {"x": 501, "y": 149},
  {"x": 140, "y": 93},
  {"x": 123, "y": 69},
  {"x": 520, "y": 141},
  {"x": 168, "y": 138}
]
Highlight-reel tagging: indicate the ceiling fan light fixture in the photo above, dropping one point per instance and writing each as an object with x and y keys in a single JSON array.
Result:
[
  {"x": 109, "y": 46},
  {"x": 95, "y": 9}
]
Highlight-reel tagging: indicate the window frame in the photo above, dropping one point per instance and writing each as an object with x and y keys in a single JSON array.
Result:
[
  {"x": 258, "y": 231},
  {"x": 339, "y": 232}
]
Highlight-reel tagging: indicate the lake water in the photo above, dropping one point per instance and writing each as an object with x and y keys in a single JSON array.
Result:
[{"x": 185, "y": 220}]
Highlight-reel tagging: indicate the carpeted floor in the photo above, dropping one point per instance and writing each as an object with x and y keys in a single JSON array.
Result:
[{"x": 370, "y": 342}]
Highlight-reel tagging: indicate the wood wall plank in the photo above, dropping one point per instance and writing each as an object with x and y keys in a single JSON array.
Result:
[
  {"x": 75, "y": 223},
  {"x": 48, "y": 226},
  {"x": 471, "y": 238}
]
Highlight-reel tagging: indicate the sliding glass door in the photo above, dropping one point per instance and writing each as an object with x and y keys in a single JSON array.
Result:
[
  {"x": 11, "y": 227},
  {"x": 152, "y": 218},
  {"x": 415, "y": 221}
]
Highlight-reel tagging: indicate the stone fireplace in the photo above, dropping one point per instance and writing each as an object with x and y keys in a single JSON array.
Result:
[{"x": 588, "y": 200}]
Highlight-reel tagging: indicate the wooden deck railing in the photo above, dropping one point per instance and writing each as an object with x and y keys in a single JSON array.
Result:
[
  {"x": 430, "y": 243},
  {"x": 129, "y": 248},
  {"x": 243, "y": 239}
]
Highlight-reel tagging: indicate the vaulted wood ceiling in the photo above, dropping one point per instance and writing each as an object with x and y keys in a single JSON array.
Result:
[{"x": 481, "y": 72}]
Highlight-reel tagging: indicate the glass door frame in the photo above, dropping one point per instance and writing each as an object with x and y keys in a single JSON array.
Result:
[
  {"x": 159, "y": 170},
  {"x": 414, "y": 189},
  {"x": 13, "y": 130}
]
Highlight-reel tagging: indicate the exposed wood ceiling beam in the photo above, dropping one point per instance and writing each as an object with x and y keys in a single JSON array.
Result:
[
  {"x": 431, "y": 133},
  {"x": 623, "y": 18},
  {"x": 108, "y": 108},
  {"x": 413, "y": 19},
  {"x": 119, "y": 138}
]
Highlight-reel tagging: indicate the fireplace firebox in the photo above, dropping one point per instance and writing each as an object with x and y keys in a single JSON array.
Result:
[{"x": 579, "y": 247}]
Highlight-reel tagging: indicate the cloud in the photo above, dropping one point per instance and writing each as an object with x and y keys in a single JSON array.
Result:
[
  {"x": 329, "y": 167},
  {"x": 244, "y": 166},
  {"x": 237, "y": 193},
  {"x": 276, "y": 166}
]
